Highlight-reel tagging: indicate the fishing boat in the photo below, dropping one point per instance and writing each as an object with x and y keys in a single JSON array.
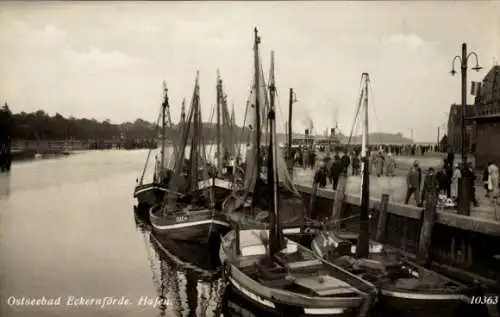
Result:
[
  {"x": 248, "y": 204},
  {"x": 186, "y": 213},
  {"x": 405, "y": 287},
  {"x": 149, "y": 194},
  {"x": 279, "y": 274},
  {"x": 221, "y": 182}
]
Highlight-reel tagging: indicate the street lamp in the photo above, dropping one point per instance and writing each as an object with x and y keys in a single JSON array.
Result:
[
  {"x": 291, "y": 101},
  {"x": 465, "y": 182},
  {"x": 464, "y": 59}
]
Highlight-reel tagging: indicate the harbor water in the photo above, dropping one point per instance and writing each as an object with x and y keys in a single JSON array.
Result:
[
  {"x": 69, "y": 238},
  {"x": 67, "y": 230}
]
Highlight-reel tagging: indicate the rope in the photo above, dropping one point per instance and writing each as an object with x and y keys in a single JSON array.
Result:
[
  {"x": 212, "y": 115},
  {"x": 278, "y": 105},
  {"x": 321, "y": 224},
  {"x": 358, "y": 109},
  {"x": 375, "y": 112},
  {"x": 150, "y": 150}
]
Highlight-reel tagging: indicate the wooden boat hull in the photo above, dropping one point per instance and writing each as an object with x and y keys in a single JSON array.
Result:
[
  {"x": 270, "y": 298},
  {"x": 148, "y": 195},
  {"x": 190, "y": 225},
  {"x": 237, "y": 304},
  {"x": 410, "y": 302},
  {"x": 427, "y": 304},
  {"x": 221, "y": 189},
  {"x": 186, "y": 254}
]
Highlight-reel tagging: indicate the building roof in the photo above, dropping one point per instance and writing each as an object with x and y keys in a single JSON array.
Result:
[{"x": 493, "y": 73}]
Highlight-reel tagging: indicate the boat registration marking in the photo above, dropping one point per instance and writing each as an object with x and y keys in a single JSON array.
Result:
[{"x": 323, "y": 311}]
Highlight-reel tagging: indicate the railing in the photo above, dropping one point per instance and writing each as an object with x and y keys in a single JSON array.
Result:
[{"x": 487, "y": 109}]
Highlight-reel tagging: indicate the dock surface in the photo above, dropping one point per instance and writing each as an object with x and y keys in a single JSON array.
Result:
[{"x": 395, "y": 186}]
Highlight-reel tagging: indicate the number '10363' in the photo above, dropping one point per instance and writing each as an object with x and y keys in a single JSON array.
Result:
[{"x": 488, "y": 300}]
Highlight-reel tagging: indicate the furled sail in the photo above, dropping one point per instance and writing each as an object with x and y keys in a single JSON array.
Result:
[
  {"x": 251, "y": 173},
  {"x": 178, "y": 180}
]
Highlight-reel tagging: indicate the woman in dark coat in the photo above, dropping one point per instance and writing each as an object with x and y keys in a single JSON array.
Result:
[{"x": 442, "y": 179}]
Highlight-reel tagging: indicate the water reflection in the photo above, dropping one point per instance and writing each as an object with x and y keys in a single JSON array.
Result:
[{"x": 185, "y": 275}]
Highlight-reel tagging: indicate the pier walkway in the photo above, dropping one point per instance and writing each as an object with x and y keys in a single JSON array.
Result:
[{"x": 396, "y": 186}]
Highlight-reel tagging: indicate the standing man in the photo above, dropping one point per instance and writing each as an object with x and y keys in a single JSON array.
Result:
[
  {"x": 419, "y": 171},
  {"x": 379, "y": 163},
  {"x": 356, "y": 164},
  {"x": 412, "y": 184},
  {"x": 430, "y": 184},
  {"x": 346, "y": 161},
  {"x": 472, "y": 186},
  {"x": 320, "y": 175},
  {"x": 335, "y": 172},
  {"x": 391, "y": 165}
]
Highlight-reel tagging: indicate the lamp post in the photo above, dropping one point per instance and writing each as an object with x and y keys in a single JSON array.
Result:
[
  {"x": 465, "y": 192},
  {"x": 464, "y": 59}
]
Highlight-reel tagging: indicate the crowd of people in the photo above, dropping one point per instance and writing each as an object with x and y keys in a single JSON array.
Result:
[
  {"x": 445, "y": 179},
  {"x": 342, "y": 161}
]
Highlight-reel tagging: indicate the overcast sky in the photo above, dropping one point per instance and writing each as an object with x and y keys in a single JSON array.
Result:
[{"x": 108, "y": 60}]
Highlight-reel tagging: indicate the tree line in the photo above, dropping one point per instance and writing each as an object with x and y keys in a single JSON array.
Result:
[{"x": 39, "y": 125}]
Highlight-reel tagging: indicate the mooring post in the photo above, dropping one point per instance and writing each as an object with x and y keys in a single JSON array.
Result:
[
  {"x": 465, "y": 197},
  {"x": 429, "y": 217},
  {"x": 338, "y": 202},
  {"x": 312, "y": 199},
  {"x": 382, "y": 218}
]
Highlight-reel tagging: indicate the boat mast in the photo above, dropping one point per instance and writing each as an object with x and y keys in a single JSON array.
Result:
[
  {"x": 183, "y": 110},
  {"x": 225, "y": 138},
  {"x": 163, "y": 129},
  {"x": 276, "y": 237},
  {"x": 257, "y": 108},
  {"x": 218, "y": 108},
  {"x": 195, "y": 154},
  {"x": 290, "y": 134},
  {"x": 364, "y": 234}
]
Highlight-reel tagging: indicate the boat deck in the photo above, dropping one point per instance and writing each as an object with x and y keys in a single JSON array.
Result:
[
  {"x": 294, "y": 269},
  {"x": 386, "y": 269},
  {"x": 291, "y": 215}
]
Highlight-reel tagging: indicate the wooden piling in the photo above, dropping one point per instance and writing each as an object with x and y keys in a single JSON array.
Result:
[
  {"x": 338, "y": 203},
  {"x": 382, "y": 218},
  {"x": 312, "y": 199},
  {"x": 429, "y": 217},
  {"x": 464, "y": 196}
]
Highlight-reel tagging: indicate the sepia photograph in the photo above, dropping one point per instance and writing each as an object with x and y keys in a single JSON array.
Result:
[{"x": 250, "y": 158}]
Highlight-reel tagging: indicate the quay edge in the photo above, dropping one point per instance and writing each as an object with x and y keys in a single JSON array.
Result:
[{"x": 462, "y": 247}]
